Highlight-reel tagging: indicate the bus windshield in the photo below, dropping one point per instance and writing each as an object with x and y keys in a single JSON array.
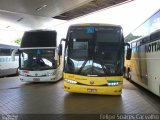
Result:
[
  {"x": 37, "y": 59},
  {"x": 94, "y": 51}
]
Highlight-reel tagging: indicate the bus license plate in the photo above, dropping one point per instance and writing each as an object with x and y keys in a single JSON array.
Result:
[
  {"x": 92, "y": 90},
  {"x": 36, "y": 79}
]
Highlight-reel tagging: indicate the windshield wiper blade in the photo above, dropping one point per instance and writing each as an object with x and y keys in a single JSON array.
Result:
[
  {"x": 92, "y": 75},
  {"x": 83, "y": 65},
  {"x": 104, "y": 69}
]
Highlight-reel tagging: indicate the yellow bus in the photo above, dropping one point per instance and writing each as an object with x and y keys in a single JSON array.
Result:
[
  {"x": 143, "y": 68},
  {"x": 94, "y": 59}
]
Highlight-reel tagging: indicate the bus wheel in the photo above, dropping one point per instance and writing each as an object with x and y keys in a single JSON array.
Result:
[
  {"x": 17, "y": 73},
  {"x": 124, "y": 73},
  {"x": 128, "y": 74}
]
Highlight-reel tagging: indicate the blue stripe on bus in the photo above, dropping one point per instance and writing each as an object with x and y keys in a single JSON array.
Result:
[{"x": 8, "y": 59}]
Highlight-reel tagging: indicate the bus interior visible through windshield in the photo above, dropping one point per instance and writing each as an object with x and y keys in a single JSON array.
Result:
[{"x": 37, "y": 59}]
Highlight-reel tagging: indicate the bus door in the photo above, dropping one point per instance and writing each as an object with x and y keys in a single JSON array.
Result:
[{"x": 142, "y": 62}]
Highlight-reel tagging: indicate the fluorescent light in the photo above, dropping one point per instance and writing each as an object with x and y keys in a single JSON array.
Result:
[{"x": 41, "y": 7}]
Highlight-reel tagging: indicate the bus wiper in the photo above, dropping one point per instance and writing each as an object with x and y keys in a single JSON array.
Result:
[
  {"x": 104, "y": 69},
  {"x": 92, "y": 75},
  {"x": 83, "y": 65},
  {"x": 102, "y": 64}
]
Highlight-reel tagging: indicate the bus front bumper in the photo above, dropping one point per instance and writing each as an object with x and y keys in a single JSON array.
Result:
[
  {"x": 102, "y": 90},
  {"x": 38, "y": 79}
]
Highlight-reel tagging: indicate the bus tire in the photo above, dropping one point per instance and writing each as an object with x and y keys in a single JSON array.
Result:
[
  {"x": 124, "y": 72},
  {"x": 17, "y": 73},
  {"x": 128, "y": 74}
]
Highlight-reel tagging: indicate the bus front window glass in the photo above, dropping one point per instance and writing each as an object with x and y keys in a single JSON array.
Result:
[
  {"x": 41, "y": 60},
  {"x": 109, "y": 55},
  {"x": 95, "y": 53}
]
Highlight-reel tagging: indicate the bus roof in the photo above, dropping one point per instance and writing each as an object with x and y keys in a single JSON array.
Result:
[
  {"x": 95, "y": 24},
  {"x": 39, "y": 38},
  {"x": 5, "y": 46},
  {"x": 40, "y": 30}
]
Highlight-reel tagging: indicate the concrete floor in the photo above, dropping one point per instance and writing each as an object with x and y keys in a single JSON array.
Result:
[{"x": 48, "y": 99}]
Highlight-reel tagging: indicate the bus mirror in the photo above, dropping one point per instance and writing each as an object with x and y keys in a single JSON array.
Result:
[
  {"x": 129, "y": 53},
  {"x": 13, "y": 54},
  {"x": 63, "y": 39},
  {"x": 127, "y": 44},
  {"x": 60, "y": 50}
]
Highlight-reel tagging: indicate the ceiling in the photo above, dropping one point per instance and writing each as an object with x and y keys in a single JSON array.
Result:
[{"x": 35, "y": 14}]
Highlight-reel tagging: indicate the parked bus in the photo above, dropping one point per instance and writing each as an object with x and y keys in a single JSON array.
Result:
[
  {"x": 94, "y": 59},
  {"x": 7, "y": 65},
  {"x": 143, "y": 68},
  {"x": 38, "y": 57}
]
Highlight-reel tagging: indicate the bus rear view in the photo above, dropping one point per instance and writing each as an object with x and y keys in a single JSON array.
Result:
[{"x": 94, "y": 59}]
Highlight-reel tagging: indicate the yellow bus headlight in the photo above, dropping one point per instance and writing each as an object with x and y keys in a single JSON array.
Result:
[
  {"x": 113, "y": 83},
  {"x": 70, "y": 81}
]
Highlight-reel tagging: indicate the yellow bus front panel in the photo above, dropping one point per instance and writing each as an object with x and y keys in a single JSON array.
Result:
[{"x": 93, "y": 85}]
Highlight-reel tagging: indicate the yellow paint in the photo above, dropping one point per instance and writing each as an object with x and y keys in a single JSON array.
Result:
[{"x": 100, "y": 84}]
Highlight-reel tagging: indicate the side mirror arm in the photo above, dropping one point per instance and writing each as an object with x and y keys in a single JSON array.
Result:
[
  {"x": 128, "y": 45},
  {"x": 13, "y": 54}
]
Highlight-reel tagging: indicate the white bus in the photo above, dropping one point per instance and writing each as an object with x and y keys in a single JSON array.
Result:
[
  {"x": 39, "y": 60},
  {"x": 7, "y": 65},
  {"x": 143, "y": 68}
]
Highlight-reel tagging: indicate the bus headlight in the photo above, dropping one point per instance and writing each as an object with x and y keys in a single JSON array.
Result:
[
  {"x": 71, "y": 81},
  {"x": 50, "y": 74},
  {"x": 113, "y": 83}
]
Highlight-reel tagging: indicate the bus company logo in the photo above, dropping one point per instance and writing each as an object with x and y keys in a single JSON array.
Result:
[
  {"x": 36, "y": 74},
  {"x": 152, "y": 47},
  {"x": 91, "y": 82}
]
